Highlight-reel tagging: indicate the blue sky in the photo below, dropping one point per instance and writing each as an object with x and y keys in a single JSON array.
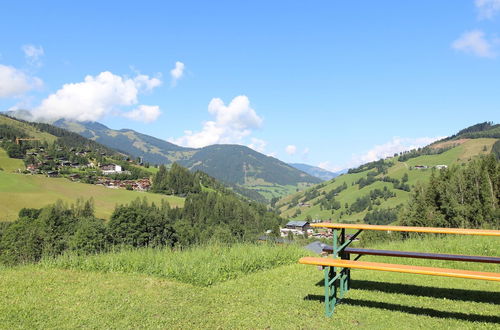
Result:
[{"x": 334, "y": 83}]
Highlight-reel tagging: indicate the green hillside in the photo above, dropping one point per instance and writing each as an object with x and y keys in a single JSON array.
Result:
[
  {"x": 29, "y": 130},
  {"x": 318, "y": 202},
  {"x": 248, "y": 172},
  {"x": 132, "y": 290},
  {"x": 18, "y": 191}
]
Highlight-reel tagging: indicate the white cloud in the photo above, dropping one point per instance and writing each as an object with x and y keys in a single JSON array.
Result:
[
  {"x": 14, "y": 82},
  {"x": 145, "y": 83},
  {"x": 475, "y": 43},
  {"x": 144, "y": 113},
  {"x": 330, "y": 167},
  {"x": 232, "y": 123},
  {"x": 396, "y": 145},
  {"x": 258, "y": 145},
  {"x": 33, "y": 54},
  {"x": 177, "y": 72},
  {"x": 291, "y": 149},
  {"x": 487, "y": 8},
  {"x": 96, "y": 97},
  {"x": 388, "y": 149}
]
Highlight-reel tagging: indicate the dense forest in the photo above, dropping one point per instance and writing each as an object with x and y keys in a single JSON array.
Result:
[
  {"x": 207, "y": 216},
  {"x": 465, "y": 196}
]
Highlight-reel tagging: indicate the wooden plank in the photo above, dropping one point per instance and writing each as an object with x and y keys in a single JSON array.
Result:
[
  {"x": 435, "y": 230},
  {"x": 401, "y": 268},
  {"x": 420, "y": 255}
]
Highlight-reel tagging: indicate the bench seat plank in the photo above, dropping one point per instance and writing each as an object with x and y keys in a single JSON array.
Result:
[
  {"x": 400, "y": 268},
  {"x": 435, "y": 230},
  {"x": 421, "y": 255}
]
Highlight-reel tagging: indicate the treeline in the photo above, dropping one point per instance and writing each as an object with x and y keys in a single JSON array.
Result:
[
  {"x": 461, "y": 196},
  {"x": 495, "y": 150},
  {"x": 55, "y": 229},
  {"x": 481, "y": 130},
  {"x": 396, "y": 183},
  {"x": 382, "y": 216},
  {"x": 381, "y": 166},
  {"x": 406, "y": 155},
  {"x": 372, "y": 198},
  {"x": 177, "y": 181}
]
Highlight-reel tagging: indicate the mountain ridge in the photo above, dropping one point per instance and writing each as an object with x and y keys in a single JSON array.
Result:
[
  {"x": 237, "y": 166},
  {"x": 316, "y": 171}
]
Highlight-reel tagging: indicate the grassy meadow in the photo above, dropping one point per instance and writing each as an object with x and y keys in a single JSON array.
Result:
[
  {"x": 19, "y": 190},
  {"x": 125, "y": 290}
]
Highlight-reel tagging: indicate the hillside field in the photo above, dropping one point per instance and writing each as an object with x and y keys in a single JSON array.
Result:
[
  {"x": 19, "y": 190},
  {"x": 110, "y": 292},
  {"x": 461, "y": 153}
]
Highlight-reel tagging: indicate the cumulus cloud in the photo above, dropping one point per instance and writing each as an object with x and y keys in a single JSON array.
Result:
[
  {"x": 396, "y": 145},
  {"x": 177, "y": 72},
  {"x": 98, "y": 96},
  {"x": 144, "y": 82},
  {"x": 14, "y": 82},
  {"x": 291, "y": 149},
  {"x": 33, "y": 54},
  {"x": 231, "y": 124},
  {"x": 144, "y": 113},
  {"x": 474, "y": 42},
  {"x": 388, "y": 149},
  {"x": 487, "y": 9},
  {"x": 258, "y": 145}
]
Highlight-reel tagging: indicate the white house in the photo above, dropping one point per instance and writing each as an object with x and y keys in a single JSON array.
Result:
[{"x": 111, "y": 169}]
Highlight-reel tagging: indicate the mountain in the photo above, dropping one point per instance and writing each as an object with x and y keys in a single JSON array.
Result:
[
  {"x": 376, "y": 191},
  {"x": 318, "y": 172},
  {"x": 247, "y": 171}
]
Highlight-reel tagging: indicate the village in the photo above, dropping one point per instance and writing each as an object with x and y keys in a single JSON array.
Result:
[{"x": 83, "y": 166}]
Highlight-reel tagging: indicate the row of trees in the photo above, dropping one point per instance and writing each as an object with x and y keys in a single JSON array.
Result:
[
  {"x": 206, "y": 216},
  {"x": 461, "y": 196}
]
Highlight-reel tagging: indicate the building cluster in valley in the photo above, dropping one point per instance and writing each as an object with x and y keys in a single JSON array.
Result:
[
  {"x": 303, "y": 228},
  {"x": 42, "y": 163}
]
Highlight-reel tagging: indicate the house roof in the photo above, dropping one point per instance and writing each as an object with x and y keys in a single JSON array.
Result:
[
  {"x": 315, "y": 246},
  {"x": 297, "y": 223}
]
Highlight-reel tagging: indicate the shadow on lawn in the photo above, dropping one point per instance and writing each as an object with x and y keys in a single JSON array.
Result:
[
  {"x": 426, "y": 291},
  {"x": 412, "y": 309}
]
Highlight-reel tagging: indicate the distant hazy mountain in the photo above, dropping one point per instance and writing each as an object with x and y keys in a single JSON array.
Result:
[
  {"x": 235, "y": 165},
  {"x": 317, "y": 171}
]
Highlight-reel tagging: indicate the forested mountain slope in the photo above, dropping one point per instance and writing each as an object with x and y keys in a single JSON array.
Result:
[
  {"x": 237, "y": 166},
  {"x": 375, "y": 192}
]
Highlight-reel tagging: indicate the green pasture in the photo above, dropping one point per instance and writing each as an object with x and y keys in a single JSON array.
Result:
[
  {"x": 288, "y": 295},
  {"x": 8, "y": 164},
  {"x": 18, "y": 191}
]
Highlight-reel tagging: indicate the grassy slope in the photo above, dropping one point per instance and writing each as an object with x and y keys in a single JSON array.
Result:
[
  {"x": 457, "y": 155},
  {"x": 28, "y": 129},
  {"x": 284, "y": 297},
  {"x": 18, "y": 191},
  {"x": 10, "y": 164}
]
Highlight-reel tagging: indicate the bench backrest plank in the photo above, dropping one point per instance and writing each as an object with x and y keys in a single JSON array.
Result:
[
  {"x": 435, "y": 230},
  {"x": 421, "y": 255}
]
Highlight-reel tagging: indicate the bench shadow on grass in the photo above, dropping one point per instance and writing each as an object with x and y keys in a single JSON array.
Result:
[
  {"x": 423, "y": 291},
  {"x": 426, "y": 291}
]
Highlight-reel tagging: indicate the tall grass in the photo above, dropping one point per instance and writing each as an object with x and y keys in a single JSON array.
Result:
[{"x": 200, "y": 266}]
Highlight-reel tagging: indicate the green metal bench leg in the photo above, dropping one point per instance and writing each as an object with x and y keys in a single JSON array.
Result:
[{"x": 330, "y": 290}]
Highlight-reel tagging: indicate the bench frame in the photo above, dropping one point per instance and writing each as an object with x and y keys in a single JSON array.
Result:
[{"x": 337, "y": 279}]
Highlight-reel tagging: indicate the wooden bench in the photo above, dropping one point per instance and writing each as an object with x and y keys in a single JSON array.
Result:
[{"x": 337, "y": 269}]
